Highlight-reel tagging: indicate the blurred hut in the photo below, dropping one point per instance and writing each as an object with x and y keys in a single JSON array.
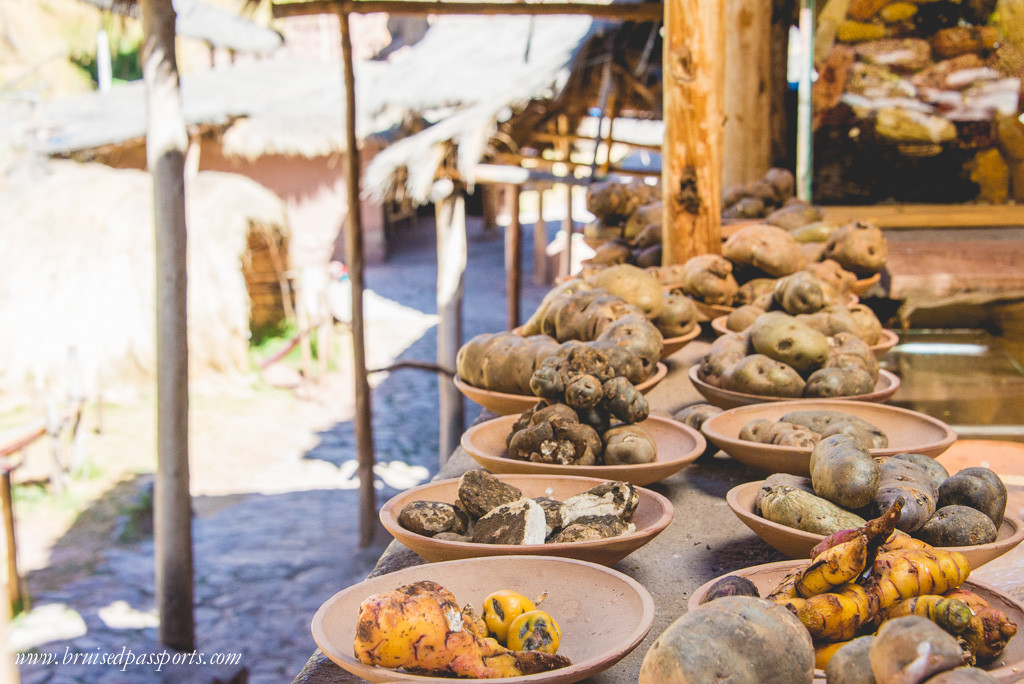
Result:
[{"x": 78, "y": 264}]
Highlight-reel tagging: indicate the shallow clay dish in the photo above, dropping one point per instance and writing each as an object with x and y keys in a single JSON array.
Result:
[
  {"x": 886, "y": 386},
  {"x": 888, "y": 340},
  {"x": 504, "y": 403},
  {"x": 798, "y": 544},
  {"x": 678, "y": 446},
  {"x": 603, "y": 614},
  {"x": 907, "y": 431},
  {"x": 670, "y": 345},
  {"x": 653, "y": 514},
  {"x": 1006, "y": 669}
]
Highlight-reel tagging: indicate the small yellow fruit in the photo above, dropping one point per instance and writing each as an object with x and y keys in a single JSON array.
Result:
[
  {"x": 534, "y": 631},
  {"x": 501, "y": 608}
]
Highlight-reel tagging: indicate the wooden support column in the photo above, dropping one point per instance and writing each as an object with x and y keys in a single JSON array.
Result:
[
  {"x": 8, "y": 669},
  {"x": 691, "y": 177},
  {"x": 451, "y": 270},
  {"x": 746, "y": 147},
  {"x": 166, "y": 143},
  {"x": 540, "y": 242},
  {"x": 513, "y": 262},
  {"x": 354, "y": 250},
  {"x": 15, "y": 599}
]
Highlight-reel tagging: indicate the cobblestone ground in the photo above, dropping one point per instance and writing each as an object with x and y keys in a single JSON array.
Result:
[{"x": 276, "y": 501}]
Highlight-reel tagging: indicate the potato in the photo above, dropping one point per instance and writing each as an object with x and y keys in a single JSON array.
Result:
[
  {"x": 801, "y": 510},
  {"x": 777, "y": 479},
  {"x": 752, "y": 290},
  {"x": 783, "y": 338},
  {"x": 851, "y": 664},
  {"x": 780, "y": 433},
  {"x": 735, "y": 639},
  {"x": 633, "y": 284},
  {"x": 843, "y": 472},
  {"x": 733, "y": 585},
  {"x": 817, "y": 232},
  {"x": 709, "y": 278},
  {"x": 769, "y": 249},
  {"x": 694, "y": 415},
  {"x": 721, "y": 357},
  {"x": 909, "y": 650},
  {"x": 859, "y": 247},
  {"x": 963, "y": 675},
  {"x": 820, "y": 420},
  {"x": 742, "y": 317},
  {"x": 628, "y": 444},
  {"x": 762, "y": 375},
  {"x": 678, "y": 315},
  {"x": 649, "y": 237},
  {"x": 503, "y": 362},
  {"x": 839, "y": 382},
  {"x": 869, "y": 328},
  {"x": 934, "y": 469},
  {"x": 641, "y": 219},
  {"x": 979, "y": 488},
  {"x": 909, "y": 480},
  {"x": 648, "y": 256},
  {"x": 802, "y": 293},
  {"x": 958, "y": 526},
  {"x": 433, "y": 517},
  {"x": 783, "y": 181},
  {"x": 830, "y": 320},
  {"x": 794, "y": 215},
  {"x": 842, "y": 345},
  {"x": 609, "y": 253},
  {"x": 832, "y": 273}
]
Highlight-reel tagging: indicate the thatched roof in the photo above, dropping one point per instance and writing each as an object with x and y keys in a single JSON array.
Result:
[
  {"x": 79, "y": 272},
  {"x": 282, "y": 106},
  {"x": 210, "y": 24}
]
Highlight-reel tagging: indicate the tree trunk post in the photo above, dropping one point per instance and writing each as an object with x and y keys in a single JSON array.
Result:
[
  {"x": 513, "y": 263},
  {"x": 451, "y": 269},
  {"x": 747, "y": 137},
  {"x": 354, "y": 244},
  {"x": 540, "y": 242},
  {"x": 692, "y": 149},
  {"x": 166, "y": 144}
]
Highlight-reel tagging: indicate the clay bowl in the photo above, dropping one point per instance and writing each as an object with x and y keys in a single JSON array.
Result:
[
  {"x": 670, "y": 345},
  {"x": 505, "y": 403},
  {"x": 603, "y": 614},
  {"x": 889, "y": 338},
  {"x": 862, "y": 285},
  {"x": 678, "y": 446},
  {"x": 653, "y": 514},
  {"x": 1005, "y": 669},
  {"x": 798, "y": 544},
  {"x": 907, "y": 431},
  {"x": 886, "y": 386}
]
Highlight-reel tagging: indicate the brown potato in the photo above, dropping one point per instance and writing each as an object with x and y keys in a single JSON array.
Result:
[
  {"x": 958, "y": 526},
  {"x": 760, "y": 374},
  {"x": 709, "y": 278},
  {"x": 678, "y": 315},
  {"x": 839, "y": 382},
  {"x": 722, "y": 356},
  {"x": 742, "y": 317},
  {"x": 859, "y": 247},
  {"x": 784, "y": 338},
  {"x": 628, "y": 444},
  {"x": 769, "y": 249}
]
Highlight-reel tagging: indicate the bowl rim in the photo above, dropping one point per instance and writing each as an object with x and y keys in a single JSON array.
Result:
[
  {"x": 879, "y": 395},
  {"x": 890, "y": 338},
  {"x": 389, "y": 516},
  {"x": 408, "y": 574},
  {"x": 743, "y": 513},
  {"x": 679, "y": 341},
  {"x": 718, "y": 437},
  {"x": 660, "y": 371}
]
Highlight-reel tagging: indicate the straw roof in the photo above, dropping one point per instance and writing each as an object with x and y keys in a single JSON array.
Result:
[
  {"x": 210, "y": 24},
  {"x": 79, "y": 272}
]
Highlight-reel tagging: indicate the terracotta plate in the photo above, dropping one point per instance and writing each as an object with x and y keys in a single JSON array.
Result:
[
  {"x": 670, "y": 345},
  {"x": 1006, "y": 668},
  {"x": 678, "y": 446},
  {"x": 888, "y": 340},
  {"x": 603, "y": 614},
  {"x": 886, "y": 386},
  {"x": 653, "y": 514},
  {"x": 798, "y": 544},
  {"x": 907, "y": 431},
  {"x": 505, "y": 403}
]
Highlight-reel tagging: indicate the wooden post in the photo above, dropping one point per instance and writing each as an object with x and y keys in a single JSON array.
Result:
[
  {"x": 540, "y": 242},
  {"x": 8, "y": 669},
  {"x": 513, "y": 263},
  {"x": 451, "y": 269},
  {"x": 166, "y": 143},
  {"x": 565, "y": 150},
  {"x": 746, "y": 148},
  {"x": 804, "y": 134},
  {"x": 691, "y": 174},
  {"x": 15, "y": 598},
  {"x": 354, "y": 235}
]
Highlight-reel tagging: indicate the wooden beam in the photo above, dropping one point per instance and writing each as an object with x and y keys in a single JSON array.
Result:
[
  {"x": 746, "y": 143},
  {"x": 930, "y": 215},
  {"x": 513, "y": 261},
  {"x": 354, "y": 252},
  {"x": 15, "y": 599},
  {"x": 166, "y": 143},
  {"x": 555, "y": 138},
  {"x": 692, "y": 153},
  {"x": 644, "y": 11},
  {"x": 451, "y": 269},
  {"x": 540, "y": 242}
]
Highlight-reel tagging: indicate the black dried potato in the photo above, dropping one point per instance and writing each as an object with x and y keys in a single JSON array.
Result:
[
  {"x": 624, "y": 401},
  {"x": 480, "y": 491},
  {"x": 433, "y": 517},
  {"x": 979, "y": 488},
  {"x": 589, "y": 528},
  {"x": 958, "y": 526}
]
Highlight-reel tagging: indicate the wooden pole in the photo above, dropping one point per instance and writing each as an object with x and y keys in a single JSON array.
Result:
[
  {"x": 692, "y": 152},
  {"x": 15, "y": 598},
  {"x": 540, "y": 242},
  {"x": 513, "y": 263},
  {"x": 166, "y": 143},
  {"x": 646, "y": 11},
  {"x": 804, "y": 134},
  {"x": 354, "y": 235},
  {"x": 8, "y": 669},
  {"x": 746, "y": 148},
  {"x": 451, "y": 269}
]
